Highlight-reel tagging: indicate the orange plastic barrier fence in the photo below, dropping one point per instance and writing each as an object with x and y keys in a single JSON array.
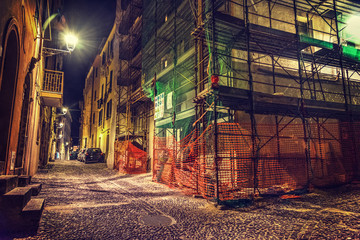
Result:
[
  {"x": 129, "y": 159},
  {"x": 280, "y": 160}
]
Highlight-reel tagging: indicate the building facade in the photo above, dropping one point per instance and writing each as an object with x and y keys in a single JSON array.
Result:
[
  {"x": 98, "y": 115},
  {"x": 26, "y": 122}
]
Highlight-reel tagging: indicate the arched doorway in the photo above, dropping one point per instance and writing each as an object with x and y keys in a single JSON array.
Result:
[{"x": 8, "y": 82}]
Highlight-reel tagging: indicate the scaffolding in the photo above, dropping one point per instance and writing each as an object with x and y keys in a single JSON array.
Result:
[
  {"x": 133, "y": 105},
  {"x": 264, "y": 101}
]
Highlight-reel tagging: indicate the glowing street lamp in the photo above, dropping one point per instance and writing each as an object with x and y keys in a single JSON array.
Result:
[
  {"x": 70, "y": 41},
  {"x": 64, "y": 110}
]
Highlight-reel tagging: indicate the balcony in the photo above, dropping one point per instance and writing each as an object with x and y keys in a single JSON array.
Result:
[{"x": 52, "y": 88}]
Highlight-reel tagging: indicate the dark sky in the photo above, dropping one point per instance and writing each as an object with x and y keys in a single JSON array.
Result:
[{"x": 91, "y": 21}]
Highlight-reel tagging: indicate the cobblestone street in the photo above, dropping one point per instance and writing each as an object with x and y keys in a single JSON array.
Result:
[{"x": 89, "y": 201}]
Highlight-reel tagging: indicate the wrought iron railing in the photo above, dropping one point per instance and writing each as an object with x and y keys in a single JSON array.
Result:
[{"x": 53, "y": 81}]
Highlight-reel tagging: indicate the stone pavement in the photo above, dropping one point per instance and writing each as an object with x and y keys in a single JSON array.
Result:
[{"x": 93, "y": 202}]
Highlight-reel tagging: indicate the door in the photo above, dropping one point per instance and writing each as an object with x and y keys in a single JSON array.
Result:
[{"x": 8, "y": 81}]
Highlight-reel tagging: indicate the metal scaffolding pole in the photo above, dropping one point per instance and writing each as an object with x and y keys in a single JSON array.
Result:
[{"x": 304, "y": 121}]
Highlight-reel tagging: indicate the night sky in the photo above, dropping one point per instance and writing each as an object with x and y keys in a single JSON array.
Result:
[{"x": 91, "y": 21}]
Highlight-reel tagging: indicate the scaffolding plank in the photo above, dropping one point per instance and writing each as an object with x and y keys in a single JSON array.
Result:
[{"x": 283, "y": 105}]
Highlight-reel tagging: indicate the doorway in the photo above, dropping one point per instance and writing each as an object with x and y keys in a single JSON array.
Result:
[{"x": 8, "y": 82}]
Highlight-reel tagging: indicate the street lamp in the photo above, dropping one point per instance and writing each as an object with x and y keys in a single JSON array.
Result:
[
  {"x": 70, "y": 41},
  {"x": 64, "y": 110}
]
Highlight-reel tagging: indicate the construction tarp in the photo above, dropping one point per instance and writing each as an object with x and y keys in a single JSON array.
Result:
[{"x": 129, "y": 159}]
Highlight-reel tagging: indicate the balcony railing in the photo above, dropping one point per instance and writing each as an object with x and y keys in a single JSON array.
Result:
[{"x": 52, "y": 88}]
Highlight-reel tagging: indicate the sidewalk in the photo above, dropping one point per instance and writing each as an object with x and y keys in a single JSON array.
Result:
[{"x": 92, "y": 202}]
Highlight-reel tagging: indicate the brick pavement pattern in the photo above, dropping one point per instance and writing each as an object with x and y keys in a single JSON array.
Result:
[{"x": 89, "y": 201}]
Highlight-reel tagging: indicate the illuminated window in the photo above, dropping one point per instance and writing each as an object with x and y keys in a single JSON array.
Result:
[{"x": 164, "y": 63}]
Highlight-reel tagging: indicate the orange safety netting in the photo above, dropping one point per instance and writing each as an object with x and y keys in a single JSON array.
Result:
[
  {"x": 129, "y": 159},
  {"x": 283, "y": 160}
]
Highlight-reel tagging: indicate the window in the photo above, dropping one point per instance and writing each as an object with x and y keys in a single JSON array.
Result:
[
  {"x": 108, "y": 109},
  {"x": 112, "y": 48},
  {"x": 100, "y": 117},
  {"x": 47, "y": 63},
  {"x": 164, "y": 63},
  {"x": 102, "y": 91},
  {"x": 111, "y": 79},
  {"x": 94, "y": 96},
  {"x": 104, "y": 58},
  {"x": 93, "y": 118},
  {"x": 96, "y": 72},
  {"x": 304, "y": 26}
]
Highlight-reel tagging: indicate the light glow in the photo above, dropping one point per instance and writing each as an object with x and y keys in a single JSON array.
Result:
[
  {"x": 71, "y": 40},
  {"x": 64, "y": 110}
]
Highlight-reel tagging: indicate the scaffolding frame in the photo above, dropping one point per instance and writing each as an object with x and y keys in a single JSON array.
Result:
[
  {"x": 254, "y": 44},
  {"x": 309, "y": 81},
  {"x": 130, "y": 93},
  {"x": 133, "y": 106}
]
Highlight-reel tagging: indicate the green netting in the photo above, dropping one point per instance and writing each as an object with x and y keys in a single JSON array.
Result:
[
  {"x": 316, "y": 42},
  {"x": 351, "y": 52}
]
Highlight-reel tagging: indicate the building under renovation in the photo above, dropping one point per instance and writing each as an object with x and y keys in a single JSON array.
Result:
[
  {"x": 134, "y": 109},
  {"x": 252, "y": 97},
  {"x": 116, "y": 114}
]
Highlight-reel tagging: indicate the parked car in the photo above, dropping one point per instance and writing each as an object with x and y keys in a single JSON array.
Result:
[
  {"x": 74, "y": 155},
  {"x": 81, "y": 154},
  {"x": 94, "y": 155}
]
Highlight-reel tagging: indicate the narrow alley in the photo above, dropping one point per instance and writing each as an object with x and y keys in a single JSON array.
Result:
[
  {"x": 90, "y": 201},
  {"x": 203, "y": 119}
]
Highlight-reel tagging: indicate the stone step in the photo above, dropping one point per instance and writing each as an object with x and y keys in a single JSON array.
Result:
[
  {"x": 24, "y": 223},
  {"x": 8, "y": 183},
  {"x": 16, "y": 199},
  {"x": 35, "y": 188},
  {"x": 34, "y": 208},
  {"x": 31, "y": 215},
  {"x": 24, "y": 180}
]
